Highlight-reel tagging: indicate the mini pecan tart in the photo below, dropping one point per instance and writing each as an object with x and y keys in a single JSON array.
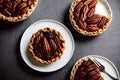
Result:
[
  {"x": 85, "y": 69},
  {"x": 85, "y": 21},
  {"x": 47, "y": 45},
  {"x": 16, "y": 10}
]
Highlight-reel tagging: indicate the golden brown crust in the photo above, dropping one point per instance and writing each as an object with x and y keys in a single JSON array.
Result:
[
  {"x": 37, "y": 34},
  {"x": 76, "y": 66},
  {"x": 20, "y": 17},
  {"x": 84, "y": 32}
]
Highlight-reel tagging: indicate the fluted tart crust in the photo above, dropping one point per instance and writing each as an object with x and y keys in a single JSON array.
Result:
[{"x": 47, "y": 45}]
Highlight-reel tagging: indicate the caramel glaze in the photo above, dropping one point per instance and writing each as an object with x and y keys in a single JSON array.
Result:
[{"x": 88, "y": 71}]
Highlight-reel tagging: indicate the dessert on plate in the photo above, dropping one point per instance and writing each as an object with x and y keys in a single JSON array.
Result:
[
  {"x": 47, "y": 45},
  {"x": 16, "y": 10},
  {"x": 85, "y": 69},
  {"x": 85, "y": 20}
]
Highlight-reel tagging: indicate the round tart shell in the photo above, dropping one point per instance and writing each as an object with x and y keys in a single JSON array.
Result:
[
  {"x": 84, "y": 32},
  {"x": 20, "y": 17},
  {"x": 37, "y": 34}
]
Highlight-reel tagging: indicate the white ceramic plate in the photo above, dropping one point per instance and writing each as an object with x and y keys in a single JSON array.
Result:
[
  {"x": 109, "y": 67},
  {"x": 68, "y": 52},
  {"x": 103, "y": 8}
]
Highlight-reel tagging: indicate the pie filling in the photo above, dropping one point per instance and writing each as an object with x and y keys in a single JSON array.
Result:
[
  {"x": 13, "y": 8},
  {"x": 85, "y": 17},
  {"x": 87, "y": 71},
  {"x": 48, "y": 45}
]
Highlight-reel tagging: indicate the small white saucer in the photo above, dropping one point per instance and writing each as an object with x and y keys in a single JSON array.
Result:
[{"x": 68, "y": 52}]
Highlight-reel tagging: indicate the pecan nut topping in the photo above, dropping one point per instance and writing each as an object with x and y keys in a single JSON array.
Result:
[
  {"x": 84, "y": 19},
  {"x": 53, "y": 45},
  {"x": 85, "y": 69},
  {"x": 47, "y": 45},
  {"x": 11, "y": 9}
]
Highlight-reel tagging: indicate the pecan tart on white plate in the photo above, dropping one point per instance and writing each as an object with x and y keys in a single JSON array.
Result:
[{"x": 47, "y": 45}]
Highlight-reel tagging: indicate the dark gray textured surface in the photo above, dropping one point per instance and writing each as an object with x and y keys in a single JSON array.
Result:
[{"x": 12, "y": 67}]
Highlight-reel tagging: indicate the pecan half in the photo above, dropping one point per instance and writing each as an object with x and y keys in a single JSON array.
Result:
[
  {"x": 94, "y": 73},
  {"x": 103, "y": 21},
  {"x": 13, "y": 6},
  {"x": 83, "y": 15},
  {"x": 92, "y": 28},
  {"x": 77, "y": 10},
  {"x": 76, "y": 16},
  {"x": 53, "y": 45},
  {"x": 21, "y": 6},
  {"x": 91, "y": 12},
  {"x": 57, "y": 41},
  {"x": 25, "y": 10},
  {"x": 81, "y": 24},
  {"x": 78, "y": 7},
  {"x": 94, "y": 19},
  {"x": 45, "y": 45}
]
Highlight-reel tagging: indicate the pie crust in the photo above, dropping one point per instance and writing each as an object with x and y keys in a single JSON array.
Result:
[
  {"x": 20, "y": 17},
  {"x": 38, "y": 33},
  {"x": 85, "y": 32}
]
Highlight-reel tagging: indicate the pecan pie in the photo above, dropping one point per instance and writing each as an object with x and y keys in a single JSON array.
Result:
[
  {"x": 85, "y": 21},
  {"x": 85, "y": 69},
  {"x": 16, "y": 10},
  {"x": 47, "y": 45}
]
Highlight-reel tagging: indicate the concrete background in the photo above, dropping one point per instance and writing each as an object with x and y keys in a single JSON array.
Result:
[{"x": 12, "y": 67}]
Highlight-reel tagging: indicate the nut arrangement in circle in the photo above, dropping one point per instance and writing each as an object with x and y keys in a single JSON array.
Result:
[
  {"x": 47, "y": 45},
  {"x": 85, "y": 21},
  {"x": 16, "y": 10}
]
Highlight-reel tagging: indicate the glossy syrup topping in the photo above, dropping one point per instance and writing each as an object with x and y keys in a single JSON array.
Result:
[
  {"x": 85, "y": 17},
  {"x": 88, "y": 71},
  {"x": 12, "y": 8},
  {"x": 47, "y": 45}
]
